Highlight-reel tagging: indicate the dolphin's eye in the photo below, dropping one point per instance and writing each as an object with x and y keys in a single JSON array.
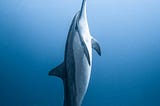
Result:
[{"x": 76, "y": 28}]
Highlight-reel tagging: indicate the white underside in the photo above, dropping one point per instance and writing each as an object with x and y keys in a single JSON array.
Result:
[{"x": 82, "y": 68}]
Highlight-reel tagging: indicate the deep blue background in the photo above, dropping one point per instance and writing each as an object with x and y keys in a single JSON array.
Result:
[{"x": 32, "y": 41}]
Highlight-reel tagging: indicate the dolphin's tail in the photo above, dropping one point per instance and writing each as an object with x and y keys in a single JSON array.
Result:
[{"x": 58, "y": 71}]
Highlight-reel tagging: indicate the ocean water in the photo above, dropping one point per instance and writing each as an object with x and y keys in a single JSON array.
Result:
[{"x": 32, "y": 41}]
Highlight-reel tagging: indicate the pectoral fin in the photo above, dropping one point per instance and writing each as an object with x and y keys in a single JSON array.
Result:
[
  {"x": 59, "y": 71},
  {"x": 86, "y": 52},
  {"x": 96, "y": 46}
]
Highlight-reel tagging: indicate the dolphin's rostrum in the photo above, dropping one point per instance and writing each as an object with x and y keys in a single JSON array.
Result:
[{"x": 75, "y": 70}]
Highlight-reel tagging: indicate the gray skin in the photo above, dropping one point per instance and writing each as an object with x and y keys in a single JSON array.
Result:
[{"x": 75, "y": 70}]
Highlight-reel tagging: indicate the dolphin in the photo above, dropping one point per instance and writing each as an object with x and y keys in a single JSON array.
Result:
[{"x": 75, "y": 70}]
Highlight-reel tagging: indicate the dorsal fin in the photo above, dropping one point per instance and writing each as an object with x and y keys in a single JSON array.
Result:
[{"x": 59, "y": 71}]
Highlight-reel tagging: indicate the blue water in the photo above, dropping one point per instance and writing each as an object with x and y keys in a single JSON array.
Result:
[{"x": 32, "y": 41}]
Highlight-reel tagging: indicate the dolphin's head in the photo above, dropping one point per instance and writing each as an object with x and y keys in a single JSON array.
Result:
[{"x": 83, "y": 10}]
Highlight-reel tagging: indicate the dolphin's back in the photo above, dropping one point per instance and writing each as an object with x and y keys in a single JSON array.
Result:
[
  {"x": 66, "y": 70},
  {"x": 70, "y": 97}
]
